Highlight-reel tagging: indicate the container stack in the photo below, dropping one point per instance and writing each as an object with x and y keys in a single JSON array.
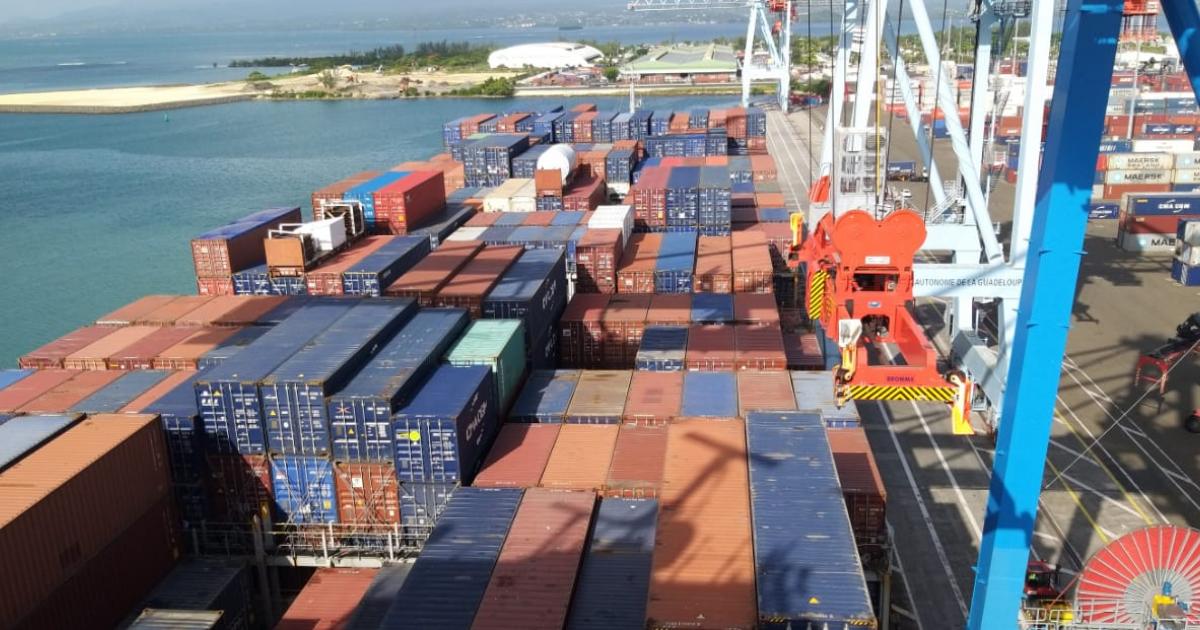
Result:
[
  {"x": 1185, "y": 267},
  {"x": 220, "y": 253},
  {"x": 1149, "y": 222}
]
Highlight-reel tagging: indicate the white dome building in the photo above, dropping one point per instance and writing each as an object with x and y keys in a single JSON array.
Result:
[{"x": 552, "y": 55}]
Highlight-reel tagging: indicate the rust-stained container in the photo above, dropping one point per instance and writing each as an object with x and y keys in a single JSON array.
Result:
[
  {"x": 231, "y": 310},
  {"x": 327, "y": 278},
  {"x": 367, "y": 493},
  {"x": 862, "y": 486},
  {"x": 135, "y": 310},
  {"x": 483, "y": 219},
  {"x": 584, "y": 107},
  {"x": 763, "y": 168},
  {"x": 596, "y": 258},
  {"x": 623, "y": 323},
  {"x": 649, "y": 198},
  {"x": 714, "y": 265},
  {"x": 67, "y": 394},
  {"x": 541, "y": 218},
  {"x": 654, "y": 397},
  {"x": 518, "y": 457},
  {"x": 160, "y": 389},
  {"x": 580, "y": 457},
  {"x": 580, "y": 334},
  {"x": 703, "y": 574},
  {"x": 753, "y": 271},
  {"x": 408, "y": 203},
  {"x": 670, "y": 310},
  {"x": 239, "y": 486},
  {"x": 759, "y": 348},
  {"x": 534, "y": 577},
  {"x": 468, "y": 288},
  {"x": 755, "y": 308},
  {"x": 214, "y": 286},
  {"x": 95, "y": 355},
  {"x": 711, "y": 348},
  {"x": 636, "y": 272},
  {"x": 599, "y": 397},
  {"x": 428, "y": 277},
  {"x": 167, "y": 314},
  {"x": 186, "y": 354},
  {"x": 52, "y": 354},
  {"x": 32, "y": 386},
  {"x": 68, "y": 500},
  {"x": 337, "y": 191},
  {"x": 764, "y": 391},
  {"x": 636, "y": 470},
  {"x": 141, "y": 354},
  {"x": 583, "y": 127},
  {"x": 328, "y": 599},
  {"x": 585, "y": 193}
]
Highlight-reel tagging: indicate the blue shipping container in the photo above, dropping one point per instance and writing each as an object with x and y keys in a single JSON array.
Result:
[
  {"x": 444, "y": 224},
  {"x": 546, "y": 396},
  {"x": 294, "y": 395},
  {"x": 820, "y": 546},
  {"x": 448, "y": 580},
  {"x": 663, "y": 349},
  {"x": 1164, "y": 204},
  {"x": 1104, "y": 210},
  {"x": 373, "y": 606},
  {"x": 112, "y": 397},
  {"x": 8, "y": 377},
  {"x": 180, "y": 417},
  {"x": 712, "y": 308},
  {"x": 364, "y": 193},
  {"x": 21, "y": 435},
  {"x": 533, "y": 290},
  {"x": 303, "y": 489},
  {"x": 360, "y": 415},
  {"x": 443, "y": 434},
  {"x": 373, "y": 274},
  {"x": 676, "y": 261},
  {"x": 710, "y": 395},
  {"x": 610, "y": 592},
  {"x": 231, "y": 346}
]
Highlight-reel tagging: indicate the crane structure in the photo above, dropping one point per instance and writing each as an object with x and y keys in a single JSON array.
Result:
[{"x": 770, "y": 20}]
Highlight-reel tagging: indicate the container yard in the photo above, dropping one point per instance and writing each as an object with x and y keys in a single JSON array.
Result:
[{"x": 727, "y": 368}]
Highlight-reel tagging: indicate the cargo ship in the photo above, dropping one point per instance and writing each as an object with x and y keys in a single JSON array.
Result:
[{"x": 556, "y": 361}]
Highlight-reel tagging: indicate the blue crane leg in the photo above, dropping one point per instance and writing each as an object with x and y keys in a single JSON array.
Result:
[{"x": 1184, "y": 19}]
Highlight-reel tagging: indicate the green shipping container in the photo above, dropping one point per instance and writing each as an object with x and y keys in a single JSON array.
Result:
[{"x": 500, "y": 345}]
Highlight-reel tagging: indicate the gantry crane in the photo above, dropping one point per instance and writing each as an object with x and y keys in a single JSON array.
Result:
[{"x": 769, "y": 19}]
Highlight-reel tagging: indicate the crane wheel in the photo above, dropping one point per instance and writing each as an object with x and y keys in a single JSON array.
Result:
[{"x": 1192, "y": 424}]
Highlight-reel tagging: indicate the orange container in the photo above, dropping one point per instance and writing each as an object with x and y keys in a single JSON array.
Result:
[
  {"x": 133, "y": 311},
  {"x": 765, "y": 391},
  {"x": 328, "y": 599},
  {"x": 52, "y": 354},
  {"x": 654, "y": 397},
  {"x": 186, "y": 354},
  {"x": 95, "y": 355},
  {"x": 580, "y": 457},
  {"x": 65, "y": 395},
  {"x": 518, "y": 457},
  {"x": 32, "y": 386},
  {"x": 714, "y": 265},
  {"x": 166, "y": 314},
  {"x": 636, "y": 470}
]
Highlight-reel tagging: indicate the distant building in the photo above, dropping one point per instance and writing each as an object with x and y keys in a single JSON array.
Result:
[
  {"x": 552, "y": 55},
  {"x": 709, "y": 63}
]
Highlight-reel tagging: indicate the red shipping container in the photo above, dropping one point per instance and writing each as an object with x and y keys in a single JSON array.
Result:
[
  {"x": 710, "y": 348},
  {"x": 214, "y": 286},
  {"x": 714, "y": 265},
  {"x": 670, "y": 310},
  {"x": 71, "y": 498},
  {"x": 765, "y": 391},
  {"x": 755, "y": 308},
  {"x": 52, "y": 354},
  {"x": 636, "y": 471},
  {"x": 1167, "y": 224},
  {"x": 142, "y": 354},
  {"x": 596, "y": 258},
  {"x": 221, "y": 257},
  {"x": 336, "y": 191},
  {"x": 518, "y": 457},
  {"x": 763, "y": 168},
  {"x": 769, "y": 199},
  {"x": 328, "y": 600},
  {"x": 483, "y": 219},
  {"x": 540, "y": 218},
  {"x": 583, "y": 127},
  {"x": 534, "y": 577},
  {"x": 1116, "y": 191},
  {"x": 756, "y": 145},
  {"x": 508, "y": 124},
  {"x": 580, "y": 333},
  {"x": 753, "y": 270},
  {"x": 735, "y": 122},
  {"x": 95, "y": 355},
  {"x": 167, "y": 314},
  {"x": 650, "y": 198},
  {"x": 585, "y": 194},
  {"x": 410, "y": 202},
  {"x": 468, "y": 288},
  {"x": 135, "y": 310},
  {"x": 232, "y": 311},
  {"x": 654, "y": 398},
  {"x": 239, "y": 487},
  {"x": 581, "y": 456},
  {"x": 470, "y": 126},
  {"x": 32, "y": 386},
  {"x": 367, "y": 494},
  {"x": 636, "y": 272},
  {"x": 428, "y": 277},
  {"x": 327, "y": 278},
  {"x": 862, "y": 485},
  {"x": 759, "y": 348},
  {"x": 584, "y": 107},
  {"x": 65, "y": 395},
  {"x": 160, "y": 389},
  {"x": 622, "y": 324},
  {"x": 678, "y": 122}
]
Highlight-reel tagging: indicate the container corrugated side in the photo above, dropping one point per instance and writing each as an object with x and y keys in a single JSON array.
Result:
[
  {"x": 654, "y": 397},
  {"x": 636, "y": 470},
  {"x": 180, "y": 415},
  {"x": 327, "y": 600},
  {"x": 518, "y": 457},
  {"x": 207, "y": 584},
  {"x": 498, "y": 344},
  {"x": 52, "y": 354},
  {"x": 373, "y": 274},
  {"x": 367, "y": 493},
  {"x": 581, "y": 456},
  {"x": 443, "y": 434},
  {"x": 545, "y": 397},
  {"x": 116, "y": 395},
  {"x": 663, "y": 349},
  {"x": 374, "y": 604},
  {"x": 22, "y": 435},
  {"x": 611, "y": 590},
  {"x": 600, "y": 397},
  {"x": 862, "y": 486},
  {"x": 304, "y": 489}
]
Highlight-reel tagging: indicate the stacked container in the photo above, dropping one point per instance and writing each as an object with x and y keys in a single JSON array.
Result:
[
  {"x": 219, "y": 253},
  {"x": 498, "y": 344},
  {"x": 545, "y": 397}
]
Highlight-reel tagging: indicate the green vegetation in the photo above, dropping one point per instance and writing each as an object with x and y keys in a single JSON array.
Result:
[
  {"x": 257, "y": 76},
  {"x": 457, "y": 55},
  {"x": 493, "y": 86},
  {"x": 611, "y": 73},
  {"x": 820, "y": 87}
]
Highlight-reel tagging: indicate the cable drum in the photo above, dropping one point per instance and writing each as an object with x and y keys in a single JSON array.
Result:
[{"x": 1122, "y": 583}]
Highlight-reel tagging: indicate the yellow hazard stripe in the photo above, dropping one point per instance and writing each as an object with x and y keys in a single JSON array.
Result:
[
  {"x": 889, "y": 392},
  {"x": 816, "y": 294}
]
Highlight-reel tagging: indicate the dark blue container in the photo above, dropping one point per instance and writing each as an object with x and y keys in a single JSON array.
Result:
[
  {"x": 714, "y": 199},
  {"x": 712, "y": 308},
  {"x": 740, "y": 170},
  {"x": 112, "y": 397},
  {"x": 683, "y": 197},
  {"x": 421, "y": 504},
  {"x": 444, "y": 433},
  {"x": 8, "y": 377},
  {"x": 698, "y": 118},
  {"x": 533, "y": 290},
  {"x": 774, "y": 215},
  {"x": 545, "y": 124},
  {"x": 180, "y": 417},
  {"x": 258, "y": 281},
  {"x": 228, "y": 394},
  {"x": 676, "y": 261},
  {"x": 808, "y": 568},
  {"x": 364, "y": 193},
  {"x": 756, "y": 122},
  {"x": 602, "y": 127},
  {"x": 525, "y": 165},
  {"x": 496, "y": 235},
  {"x": 546, "y": 396},
  {"x": 543, "y": 350},
  {"x": 618, "y": 166},
  {"x": 620, "y": 127},
  {"x": 294, "y": 395},
  {"x": 710, "y": 395},
  {"x": 360, "y": 415},
  {"x": 639, "y": 124},
  {"x": 373, "y": 274},
  {"x": 231, "y": 346},
  {"x": 1187, "y": 275},
  {"x": 1116, "y": 146},
  {"x": 1163, "y": 204},
  {"x": 538, "y": 237},
  {"x": 22, "y": 435},
  {"x": 1104, "y": 210},
  {"x": 567, "y": 219},
  {"x": 564, "y": 128},
  {"x": 610, "y": 592},
  {"x": 549, "y": 204},
  {"x": 663, "y": 349},
  {"x": 304, "y": 489},
  {"x": 448, "y": 580},
  {"x": 488, "y": 160},
  {"x": 443, "y": 225},
  {"x": 452, "y": 131},
  {"x": 510, "y": 219},
  {"x": 660, "y": 122},
  {"x": 206, "y": 584},
  {"x": 373, "y": 606}
]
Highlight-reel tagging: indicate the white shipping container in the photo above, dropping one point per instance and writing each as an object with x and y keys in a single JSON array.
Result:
[
  {"x": 467, "y": 234},
  {"x": 497, "y": 202},
  {"x": 1163, "y": 146},
  {"x": 1187, "y": 254},
  {"x": 525, "y": 198},
  {"x": 1186, "y": 176},
  {"x": 1187, "y": 160},
  {"x": 1138, "y": 177},
  {"x": 1191, "y": 234},
  {"x": 1146, "y": 242},
  {"x": 614, "y": 218},
  {"x": 1139, "y": 161}
]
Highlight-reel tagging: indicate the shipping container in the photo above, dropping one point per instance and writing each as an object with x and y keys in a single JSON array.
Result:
[
  {"x": 814, "y": 392},
  {"x": 615, "y": 575},
  {"x": 663, "y": 349},
  {"x": 755, "y": 309},
  {"x": 326, "y": 279},
  {"x": 21, "y": 392},
  {"x": 670, "y": 310},
  {"x": 622, "y": 325},
  {"x": 327, "y": 600},
  {"x": 111, "y": 468},
  {"x": 186, "y": 354},
  {"x": 655, "y": 398},
  {"x": 231, "y": 346},
  {"x": 599, "y": 397},
  {"x": 759, "y": 348},
  {"x": 168, "y": 314},
  {"x": 364, "y": 195},
  {"x": 597, "y": 256},
  {"x": 22, "y": 435},
  {"x": 711, "y": 348},
  {"x": 448, "y": 580},
  {"x": 711, "y": 395},
  {"x": 374, "y": 604},
  {"x": 66, "y": 395},
  {"x": 237, "y": 245},
  {"x": 303, "y": 489},
  {"x": 294, "y": 395},
  {"x": 636, "y": 271},
  {"x": 441, "y": 226},
  {"x": 702, "y": 534},
  {"x": 710, "y": 308},
  {"x": 207, "y": 584},
  {"x": 1162, "y": 204},
  {"x": 820, "y": 546},
  {"x": 636, "y": 470},
  {"x": 546, "y": 397},
  {"x": 498, "y": 344},
  {"x": 334, "y": 193},
  {"x": 753, "y": 269},
  {"x": 862, "y": 487},
  {"x": 442, "y": 436},
  {"x": 52, "y": 354},
  {"x": 239, "y": 487},
  {"x": 409, "y": 202},
  {"x": 372, "y": 274},
  {"x": 714, "y": 265},
  {"x": 154, "y": 619},
  {"x": 534, "y": 577},
  {"x": 360, "y": 415},
  {"x": 581, "y": 457},
  {"x": 470, "y": 286},
  {"x": 428, "y": 277},
  {"x": 127, "y": 314},
  {"x": 764, "y": 391},
  {"x": 676, "y": 262},
  {"x": 143, "y": 353},
  {"x": 580, "y": 335},
  {"x": 116, "y": 395},
  {"x": 518, "y": 457},
  {"x": 367, "y": 493},
  {"x": 95, "y": 355},
  {"x": 533, "y": 290}
]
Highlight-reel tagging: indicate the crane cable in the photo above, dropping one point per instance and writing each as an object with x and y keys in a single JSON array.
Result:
[
  {"x": 895, "y": 83},
  {"x": 808, "y": 56},
  {"x": 875, "y": 22},
  {"x": 937, "y": 106}
]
